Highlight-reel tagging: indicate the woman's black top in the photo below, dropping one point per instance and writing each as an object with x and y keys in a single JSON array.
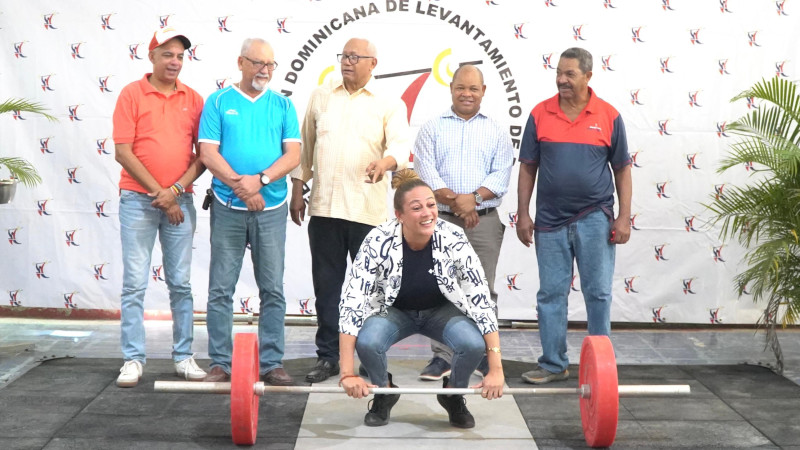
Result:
[{"x": 419, "y": 289}]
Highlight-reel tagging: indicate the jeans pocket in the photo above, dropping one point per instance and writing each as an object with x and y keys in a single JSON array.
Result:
[{"x": 130, "y": 198}]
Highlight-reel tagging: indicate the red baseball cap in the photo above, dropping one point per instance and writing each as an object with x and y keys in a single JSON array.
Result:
[{"x": 165, "y": 34}]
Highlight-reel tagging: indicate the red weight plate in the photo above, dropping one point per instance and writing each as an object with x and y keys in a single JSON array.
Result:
[
  {"x": 599, "y": 412},
  {"x": 244, "y": 401}
]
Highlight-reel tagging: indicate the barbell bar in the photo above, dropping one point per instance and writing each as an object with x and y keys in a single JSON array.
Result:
[
  {"x": 260, "y": 389},
  {"x": 598, "y": 390}
]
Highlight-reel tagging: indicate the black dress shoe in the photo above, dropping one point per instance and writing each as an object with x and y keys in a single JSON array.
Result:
[{"x": 322, "y": 371}]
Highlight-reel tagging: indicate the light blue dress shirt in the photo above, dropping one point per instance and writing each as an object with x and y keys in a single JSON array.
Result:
[{"x": 463, "y": 155}]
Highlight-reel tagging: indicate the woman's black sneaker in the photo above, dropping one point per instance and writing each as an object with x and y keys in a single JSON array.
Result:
[
  {"x": 380, "y": 407},
  {"x": 456, "y": 407}
]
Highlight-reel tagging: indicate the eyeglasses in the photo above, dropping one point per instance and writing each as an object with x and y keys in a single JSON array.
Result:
[
  {"x": 260, "y": 64},
  {"x": 352, "y": 59}
]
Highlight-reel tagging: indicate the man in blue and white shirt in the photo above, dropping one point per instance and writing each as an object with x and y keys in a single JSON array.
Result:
[
  {"x": 466, "y": 158},
  {"x": 249, "y": 139}
]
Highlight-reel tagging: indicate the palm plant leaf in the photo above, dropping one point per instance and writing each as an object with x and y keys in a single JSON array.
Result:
[
  {"x": 780, "y": 93},
  {"x": 762, "y": 146},
  {"x": 20, "y": 104},
  {"x": 22, "y": 170}
]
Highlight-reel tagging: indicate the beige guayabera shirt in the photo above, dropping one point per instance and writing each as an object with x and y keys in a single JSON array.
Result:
[{"x": 342, "y": 133}]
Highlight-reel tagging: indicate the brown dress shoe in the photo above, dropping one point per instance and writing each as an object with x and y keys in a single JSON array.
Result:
[
  {"x": 216, "y": 375},
  {"x": 278, "y": 377}
]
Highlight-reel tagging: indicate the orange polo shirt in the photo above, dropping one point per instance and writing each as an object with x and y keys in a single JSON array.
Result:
[{"x": 161, "y": 128}]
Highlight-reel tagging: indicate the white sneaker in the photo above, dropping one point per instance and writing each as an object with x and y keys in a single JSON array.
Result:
[
  {"x": 189, "y": 370},
  {"x": 129, "y": 374}
]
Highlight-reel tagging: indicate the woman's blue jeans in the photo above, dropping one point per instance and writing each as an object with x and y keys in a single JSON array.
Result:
[{"x": 446, "y": 324}]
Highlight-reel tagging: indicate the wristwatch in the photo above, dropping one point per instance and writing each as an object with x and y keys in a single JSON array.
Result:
[
  {"x": 264, "y": 179},
  {"x": 478, "y": 198}
]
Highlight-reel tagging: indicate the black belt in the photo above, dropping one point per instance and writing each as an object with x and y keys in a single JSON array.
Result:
[{"x": 481, "y": 212}]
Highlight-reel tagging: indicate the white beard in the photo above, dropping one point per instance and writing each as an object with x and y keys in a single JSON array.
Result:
[{"x": 260, "y": 87}]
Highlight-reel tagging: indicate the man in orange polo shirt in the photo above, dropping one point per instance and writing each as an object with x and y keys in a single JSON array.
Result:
[{"x": 155, "y": 129}]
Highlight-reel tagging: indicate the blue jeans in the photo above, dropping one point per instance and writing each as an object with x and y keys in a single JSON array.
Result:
[
  {"x": 587, "y": 242},
  {"x": 231, "y": 231},
  {"x": 139, "y": 223},
  {"x": 446, "y": 324}
]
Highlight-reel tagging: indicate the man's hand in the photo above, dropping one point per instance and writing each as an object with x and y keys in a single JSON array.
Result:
[
  {"x": 621, "y": 230},
  {"x": 254, "y": 202},
  {"x": 297, "y": 209},
  {"x": 248, "y": 189},
  {"x": 470, "y": 219},
  {"x": 464, "y": 204},
  {"x": 163, "y": 199},
  {"x": 445, "y": 196},
  {"x": 464, "y": 207},
  {"x": 297, "y": 206},
  {"x": 174, "y": 214},
  {"x": 245, "y": 186},
  {"x": 166, "y": 201},
  {"x": 377, "y": 169},
  {"x": 525, "y": 229}
]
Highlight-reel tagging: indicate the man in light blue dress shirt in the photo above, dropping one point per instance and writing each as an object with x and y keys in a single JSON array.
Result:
[{"x": 466, "y": 158}]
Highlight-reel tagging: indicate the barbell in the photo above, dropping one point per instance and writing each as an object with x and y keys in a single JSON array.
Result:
[{"x": 598, "y": 390}]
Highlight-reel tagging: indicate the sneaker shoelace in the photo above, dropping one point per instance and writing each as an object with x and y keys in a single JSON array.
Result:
[
  {"x": 129, "y": 365},
  {"x": 376, "y": 409},
  {"x": 188, "y": 364},
  {"x": 461, "y": 406}
]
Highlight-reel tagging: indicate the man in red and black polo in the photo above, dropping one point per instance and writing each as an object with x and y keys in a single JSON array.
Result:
[{"x": 576, "y": 143}]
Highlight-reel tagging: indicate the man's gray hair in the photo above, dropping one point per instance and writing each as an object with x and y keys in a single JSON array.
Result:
[
  {"x": 250, "y": 41},
  {"x": 371, "y": 49},
  {"x": 584, "y": 58}
]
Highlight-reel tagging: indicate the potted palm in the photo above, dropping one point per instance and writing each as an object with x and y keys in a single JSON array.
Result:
[
  {"x": 20, "y": 170},
  {"x": 764, "y": 214}
]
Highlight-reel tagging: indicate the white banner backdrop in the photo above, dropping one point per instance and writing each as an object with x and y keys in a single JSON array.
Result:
[{"x": 669, "y": 67}]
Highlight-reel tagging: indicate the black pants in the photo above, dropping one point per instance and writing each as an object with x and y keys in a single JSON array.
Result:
[{"x": 331, "y": 240}]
